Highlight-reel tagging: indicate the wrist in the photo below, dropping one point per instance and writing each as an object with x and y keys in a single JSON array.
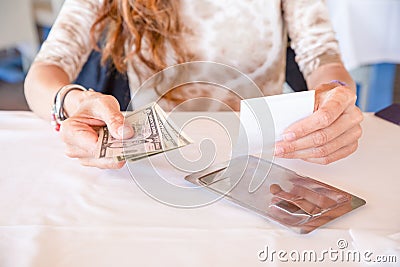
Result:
[
  {"x": 59, "y": 112},
  {"x": 72, "y": 101}
]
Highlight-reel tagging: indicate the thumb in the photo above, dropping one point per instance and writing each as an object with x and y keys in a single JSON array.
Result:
[
  {"x": 114, "y": 120},
  {"x": 117, "y": 127}
]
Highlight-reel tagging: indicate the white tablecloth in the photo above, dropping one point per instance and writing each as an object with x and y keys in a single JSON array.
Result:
[
  {"x": 367, "y": 30},
  {"x": 54, "y": 212}
]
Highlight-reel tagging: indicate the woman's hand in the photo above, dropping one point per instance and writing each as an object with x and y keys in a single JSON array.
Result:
[
  {"x": 330, "y": 133},
  {"x": 79, "y": 133}
]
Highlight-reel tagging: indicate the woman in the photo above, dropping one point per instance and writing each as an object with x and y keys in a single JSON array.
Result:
[{"x": 145, "y": 36}]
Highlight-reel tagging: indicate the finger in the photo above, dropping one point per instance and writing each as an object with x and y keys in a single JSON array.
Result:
[
  {"x": 339, "y": 154},
  {"x": 335, "y": 103},
  {"x": 107, "y": 109},
  {"x": 320, "y": 137},
  {"x": 77, "y": 152},
  {"x": 78, "y": 135},
  {"x": 103, "y": 163},
  {"x": 343, "y": 140}
]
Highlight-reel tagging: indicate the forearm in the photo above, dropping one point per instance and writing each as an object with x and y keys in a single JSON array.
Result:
[
  {"x": 329, "y": 72},
  {"x": 41, "y": 85}
]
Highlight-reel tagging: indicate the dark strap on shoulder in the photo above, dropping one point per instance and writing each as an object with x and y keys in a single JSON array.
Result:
[{"x": 105, "y": 79}]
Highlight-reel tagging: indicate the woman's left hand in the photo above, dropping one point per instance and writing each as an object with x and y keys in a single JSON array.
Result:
[{"x": 330, "y": 133}]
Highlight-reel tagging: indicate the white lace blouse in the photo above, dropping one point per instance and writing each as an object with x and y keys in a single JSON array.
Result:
[{"x": 250, "y": 35}]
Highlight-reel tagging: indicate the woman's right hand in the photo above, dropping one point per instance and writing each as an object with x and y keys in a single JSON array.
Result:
[{"x": 78, "y": 132}]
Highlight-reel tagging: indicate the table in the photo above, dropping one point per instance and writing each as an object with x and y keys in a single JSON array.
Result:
[{"x": 54, "y": 212}]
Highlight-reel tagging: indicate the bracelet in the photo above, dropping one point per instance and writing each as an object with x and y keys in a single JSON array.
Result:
[{"x": 58, "y": 113}]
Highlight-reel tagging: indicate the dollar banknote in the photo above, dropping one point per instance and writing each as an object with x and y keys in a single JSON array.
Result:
[{"x": 154, "y": 133}]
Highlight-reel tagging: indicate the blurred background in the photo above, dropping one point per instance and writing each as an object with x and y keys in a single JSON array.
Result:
[{"x": 367, "y": 31}]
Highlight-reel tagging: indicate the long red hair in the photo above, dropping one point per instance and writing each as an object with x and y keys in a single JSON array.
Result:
[{"x": 146, "y": 27}]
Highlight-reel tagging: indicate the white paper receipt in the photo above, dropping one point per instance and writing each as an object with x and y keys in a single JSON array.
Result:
[
  {"x": 259, "y": 115},
  {"x": 287, "y": 109}
]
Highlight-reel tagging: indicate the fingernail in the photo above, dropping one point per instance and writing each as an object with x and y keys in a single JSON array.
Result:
[
  {"x": 290, "y": 136},
  {"x": 279, "y": 150},
  {"x": 125, "y": 131}
]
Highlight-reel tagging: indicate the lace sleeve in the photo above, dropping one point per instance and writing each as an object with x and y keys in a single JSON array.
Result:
[
  {"x": 68, "y": 44},
  {"x": 311, "y": 33}
]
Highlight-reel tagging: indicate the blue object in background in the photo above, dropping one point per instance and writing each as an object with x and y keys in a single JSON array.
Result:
[
  {"x": 375, "y": 86},
  {"x": 381, "y": 85},
  {"x": 45, "y": 33},
  {"x": 11, "y": 69},
  {"x": 358, "y": 91}
]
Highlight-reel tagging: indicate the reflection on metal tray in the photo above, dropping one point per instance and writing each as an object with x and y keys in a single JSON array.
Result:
[{"x": 300, "y": 203}]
